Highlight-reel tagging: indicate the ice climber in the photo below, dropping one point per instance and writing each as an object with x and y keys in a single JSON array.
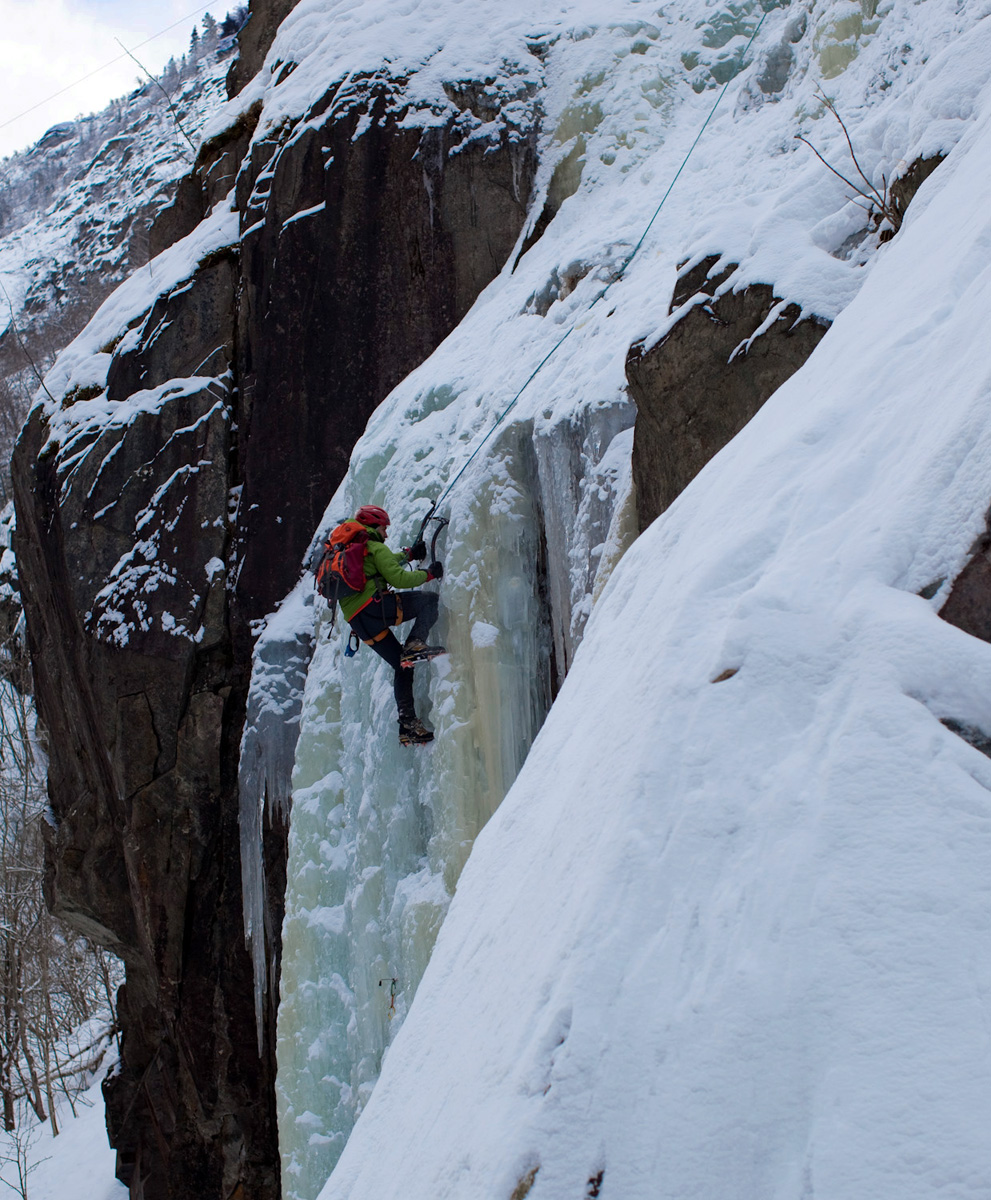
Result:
[{"x": 379, "y": 606}]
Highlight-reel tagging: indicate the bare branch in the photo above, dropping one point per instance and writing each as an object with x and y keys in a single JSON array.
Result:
[
  {"x": 24, "y": 349},
  {"x": 830, "y": 167},
  {"x": 168, "y": 98},
  {"x": 846, "y": 133},
  {"x": 878, "y": 203}
]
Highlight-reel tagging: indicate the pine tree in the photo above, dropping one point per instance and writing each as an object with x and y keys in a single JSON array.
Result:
[
  {"x": 170, "y": 76},
  {"x": 210, "y": 35}
]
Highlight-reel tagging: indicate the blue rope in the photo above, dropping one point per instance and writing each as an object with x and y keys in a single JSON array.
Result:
[{"x": 622, "y": 271}]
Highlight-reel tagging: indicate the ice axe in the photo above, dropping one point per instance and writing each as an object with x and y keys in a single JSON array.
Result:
[{"x": 441, "y": 522}]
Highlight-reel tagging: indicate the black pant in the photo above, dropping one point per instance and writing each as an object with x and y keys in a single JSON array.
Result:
[{"x": 372, "y": 626}]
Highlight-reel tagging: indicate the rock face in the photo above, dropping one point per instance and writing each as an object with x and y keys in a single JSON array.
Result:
[
  {"x": 121, "y": 556},
  {"x": 254, "y": 40},
  {"x": 968, "y": 605},
  {"x": 702, "y": 382},
  {"x": 395, "y": 240},
  {"x": 158, "y": 520},
  {"x": 699, "y": 386}
]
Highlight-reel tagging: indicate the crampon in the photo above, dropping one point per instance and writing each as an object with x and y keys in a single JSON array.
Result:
[
  {"x": 413, "y": 732},
  {"x": 417, "y": 651}
]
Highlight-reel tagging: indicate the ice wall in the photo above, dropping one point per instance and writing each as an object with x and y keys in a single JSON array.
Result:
[
  {"x": 541, "y": 517},
  {"x": 380, "y": 833}
]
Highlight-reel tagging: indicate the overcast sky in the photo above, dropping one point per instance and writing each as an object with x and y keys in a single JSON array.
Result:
[{"x": 45, "y": 45}]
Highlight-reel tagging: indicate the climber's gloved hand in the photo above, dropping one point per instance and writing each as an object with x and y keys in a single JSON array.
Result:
[
  {"x": 435, "y": 571},
  {"x": 417, "y": 551}
]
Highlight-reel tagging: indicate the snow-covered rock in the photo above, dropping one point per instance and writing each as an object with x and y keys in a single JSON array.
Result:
[{"x": 77, "y": 208}]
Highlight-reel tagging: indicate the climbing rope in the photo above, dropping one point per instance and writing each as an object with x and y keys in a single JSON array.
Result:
[{"x": 616, "y": 278}]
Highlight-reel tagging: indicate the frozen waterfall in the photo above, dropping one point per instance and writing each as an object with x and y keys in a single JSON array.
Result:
[{"x": 380, "y": 833}]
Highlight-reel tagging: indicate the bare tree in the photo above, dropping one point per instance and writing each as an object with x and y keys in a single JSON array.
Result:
[
  {"x": 56, "y": 990},
  {"x": 16, "y": 1158}
]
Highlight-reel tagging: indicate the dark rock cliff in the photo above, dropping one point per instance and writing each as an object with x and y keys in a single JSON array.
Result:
[
  {"x": 708, "y": 376},
  {"x": 698, "y": 387},
  {"x": 968, "y": 606},
  {"x": 704, "y": 380},
  {"x": 254, "y": 40},
  {"x": 158, "y": 522}
]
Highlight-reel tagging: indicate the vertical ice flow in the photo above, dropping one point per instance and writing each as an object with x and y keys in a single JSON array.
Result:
[
  {"x": 268, "y": 748},
  {"x": 380, "y": 833}
]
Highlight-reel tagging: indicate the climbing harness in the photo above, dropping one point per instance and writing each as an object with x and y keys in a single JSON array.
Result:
[{"x": 616, "y": 278}]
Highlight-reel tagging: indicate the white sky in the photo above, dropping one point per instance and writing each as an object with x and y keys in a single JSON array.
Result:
[{"x": 46, "y": 45}]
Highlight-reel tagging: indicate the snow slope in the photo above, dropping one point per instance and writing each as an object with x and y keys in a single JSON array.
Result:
[
  {"x": 76, "y": 1165},
  {"x": 538, "y": 522},
  {"x": 733, "y": 938},
  {"x": 75, "y": 209}
]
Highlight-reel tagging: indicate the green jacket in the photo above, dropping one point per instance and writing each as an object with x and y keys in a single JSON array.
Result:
[{"x": 383, "y": 568}]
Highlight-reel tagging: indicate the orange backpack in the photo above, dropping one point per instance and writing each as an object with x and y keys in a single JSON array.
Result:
[{"x": 341, "y": 572}]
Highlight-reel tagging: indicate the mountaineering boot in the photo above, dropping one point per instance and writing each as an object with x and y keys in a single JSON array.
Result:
[
  {"x": 417, "y": 650},
  {"x": 412, "y": 731}
]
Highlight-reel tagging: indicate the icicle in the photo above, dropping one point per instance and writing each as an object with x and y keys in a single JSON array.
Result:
[{"x": 268, "y": 747}]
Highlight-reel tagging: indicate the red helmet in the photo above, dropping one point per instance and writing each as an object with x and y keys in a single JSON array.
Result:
[{"x": 371, "y": 514}]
